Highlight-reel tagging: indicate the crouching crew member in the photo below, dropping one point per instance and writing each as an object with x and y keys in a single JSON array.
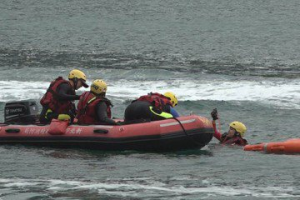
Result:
[
  {"x": 93, "y": 107},
  {"x": 58, "y": 100},
  {"x": 235, "y": 134},
  {"x": 152, "y": 107}
]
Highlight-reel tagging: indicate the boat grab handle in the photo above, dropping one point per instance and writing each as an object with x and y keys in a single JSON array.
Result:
[
  {"x": 12, "y": 130},
  {"x": 101, "y": 131}
]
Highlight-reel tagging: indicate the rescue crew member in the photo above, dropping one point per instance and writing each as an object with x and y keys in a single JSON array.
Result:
[
  {"x": 93, "y": 107},
  {"x": 235, "y": 134},
  {"x": 152, "y": 107},
  {"x": 58, "y": 101}
]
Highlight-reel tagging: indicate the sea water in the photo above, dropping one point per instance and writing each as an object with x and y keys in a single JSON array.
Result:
[{"x": 241, "y": 57}]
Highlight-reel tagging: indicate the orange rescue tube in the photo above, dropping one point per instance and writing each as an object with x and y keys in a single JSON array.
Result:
[
  {"x": 291, "y": 146},
  {"x": 254, "y": 147}
]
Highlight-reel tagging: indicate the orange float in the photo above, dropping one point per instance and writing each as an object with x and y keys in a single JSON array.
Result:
[{"x": 291, "y": 146}]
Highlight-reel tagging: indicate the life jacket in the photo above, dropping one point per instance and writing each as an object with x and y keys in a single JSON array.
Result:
[
  {"x": 87, "y": 108},
  {"x": 157, "y": 100},
  {"x": 51, "y": 98},
  {"x": 237, "y": 140}
]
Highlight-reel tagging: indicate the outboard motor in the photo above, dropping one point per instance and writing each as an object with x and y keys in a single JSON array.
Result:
[{"x": 21, "y": 112}]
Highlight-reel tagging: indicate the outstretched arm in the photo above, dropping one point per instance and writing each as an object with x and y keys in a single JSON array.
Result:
[
  {"x": 174, "y": 112},
  {"x": 63, "y": 91},
  {"x": 217, "y": 134},
  {"x": 214, "y": 115}
]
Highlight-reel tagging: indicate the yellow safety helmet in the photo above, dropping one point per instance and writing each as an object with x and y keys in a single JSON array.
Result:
[
  {"x": 98, "y": 86},
  {"x": 239, "y": 127},
  {"x": 76, "y": 74},
  {"x": 172, "y": 98}
]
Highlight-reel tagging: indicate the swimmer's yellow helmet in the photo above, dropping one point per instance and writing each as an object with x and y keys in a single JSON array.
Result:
[{"x": 239, "y": 127}]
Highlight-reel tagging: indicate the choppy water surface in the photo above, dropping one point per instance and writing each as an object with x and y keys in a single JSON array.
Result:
[{"x": 241, "y": 57}]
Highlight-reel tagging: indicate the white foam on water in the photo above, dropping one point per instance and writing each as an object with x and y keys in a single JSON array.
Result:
[
  {"x": 17, "y": 90},
  {"x": 279, "y": 93},
  {"x": 149, "y": 188},
  {"x": 17, "y": 183}
]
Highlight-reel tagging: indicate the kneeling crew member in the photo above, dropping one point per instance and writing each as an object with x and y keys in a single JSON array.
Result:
[
  {"x": 235, "y": 134},
  {"x": 60, "y": 96},
  {"x": 93, "y": 107},
  {"x": 152, "y": 107}
]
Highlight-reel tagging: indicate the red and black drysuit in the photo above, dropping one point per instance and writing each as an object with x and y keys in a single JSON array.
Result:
[
  {"x": 93, "y": 109},
  {"x": 59, "y": 98},
  {"x": 139, "y": 110},
  {"x": 236, "y": 140}
]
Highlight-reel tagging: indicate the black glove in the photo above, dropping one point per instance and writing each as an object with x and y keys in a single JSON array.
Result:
[{"x": 214, "y": 114}]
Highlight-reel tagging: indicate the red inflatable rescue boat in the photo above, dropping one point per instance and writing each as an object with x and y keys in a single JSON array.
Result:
[
  {"x": 291, "y": 146},
  {"x": 187, "y": 132}
]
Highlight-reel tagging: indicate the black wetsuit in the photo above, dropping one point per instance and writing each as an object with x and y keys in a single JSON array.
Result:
[
  {"x": 101, "y": 113},
  {"x": 139, "y": 111},
  {"x": 65, "y": 93}
]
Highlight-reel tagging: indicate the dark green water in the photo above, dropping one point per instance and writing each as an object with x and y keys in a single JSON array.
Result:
[{"x": 241, "y": 57}]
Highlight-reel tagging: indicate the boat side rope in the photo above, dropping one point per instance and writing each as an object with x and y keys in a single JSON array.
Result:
[{"x": 182, "y": 127}]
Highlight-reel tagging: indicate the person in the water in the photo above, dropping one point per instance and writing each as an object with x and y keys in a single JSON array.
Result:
[
  {"x": 235, "y": 134},
  {"x": 58, "y": 101},
  {"x": 152, "y": 107}
]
